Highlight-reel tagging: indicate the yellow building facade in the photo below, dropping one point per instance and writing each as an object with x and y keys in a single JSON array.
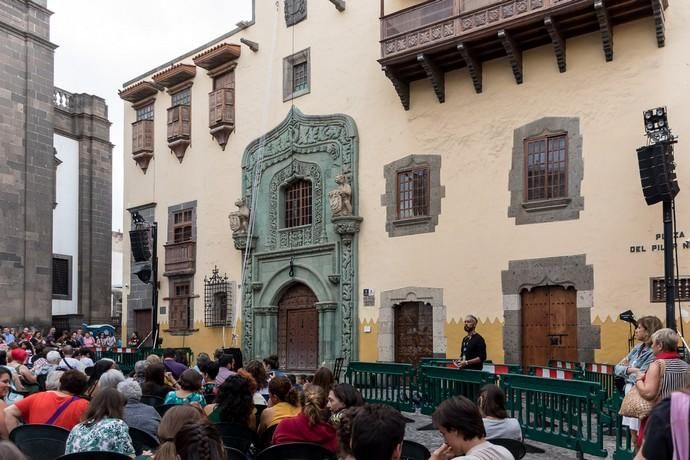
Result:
[{"x": 519, "y": 203}]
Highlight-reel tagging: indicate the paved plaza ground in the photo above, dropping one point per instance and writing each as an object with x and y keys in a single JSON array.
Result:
[{"x": 432, "y": 439}]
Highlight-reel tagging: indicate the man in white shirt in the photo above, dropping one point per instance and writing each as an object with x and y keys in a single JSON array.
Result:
[
  {"x": 68, "y": 362},
  {"x": 460, "y": 423}
]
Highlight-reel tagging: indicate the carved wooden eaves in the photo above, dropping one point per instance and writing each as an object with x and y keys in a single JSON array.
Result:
[
  {"x": 557, "y": 40},
  {"x": 435, "y": 74},
  {"x": 402, "y": 87},
  {"x": 513, "y": 52}
]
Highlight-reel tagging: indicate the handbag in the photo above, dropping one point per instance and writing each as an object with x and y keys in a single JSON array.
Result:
[{"x": 634, "y": 405}]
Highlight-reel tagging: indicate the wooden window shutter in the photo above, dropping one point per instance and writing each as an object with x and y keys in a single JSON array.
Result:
[{"x": 179, "y": 313}]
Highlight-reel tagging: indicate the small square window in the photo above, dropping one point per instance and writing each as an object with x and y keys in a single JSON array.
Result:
[
  {"x": 145, "y": 112},
  {"x": 183, "y": 97},
  {"x": 62, "y": 277},
  {"x": 296, "y": 75},
  {"x": 413, "y": 193}
]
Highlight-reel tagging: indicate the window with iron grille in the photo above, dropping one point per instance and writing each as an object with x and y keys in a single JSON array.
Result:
[
  {"x": 298, "y": 203},
  {"x": 180, "y": 316},
  {"x": 296, "y": 75},
  {"x": 546, "y": 168},
  {"x": 299, "y": 77},
  {"x": 218, "y": 300},
  {"x": 658, "y": 289},
  {"x": 413, "y": 193},
  {"x": 145, "y": 112},
  {"x": 62, "y": 277},
  {"x": 183, "y": 97},
  {"x": 182, "y": 226}
]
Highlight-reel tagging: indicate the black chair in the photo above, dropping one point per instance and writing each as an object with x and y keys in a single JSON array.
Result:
[
  {"x": 237, "y": 436},
  {"x": 337, "y": 368},
  {"x": 142, "y": 441},
  {"x": 96, "y": 455},
  {"x": 517, "y": 448},
  {"x": 152, "y": 400},
  {"x": 234, "y": 454},
  {"x": 414, "y": 451},
  {"x": 40, "y": 442},
  {"x": 296, "y": 451},
  {"x": 163, "y": 408},
  {"x": 266, "y": 438}
]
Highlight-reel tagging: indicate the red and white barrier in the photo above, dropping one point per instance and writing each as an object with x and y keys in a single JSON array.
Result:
[
  {"x": 599, "y": 368},
  {"x": 558, "y": 374},
  {"x": 496, "y": 369}
]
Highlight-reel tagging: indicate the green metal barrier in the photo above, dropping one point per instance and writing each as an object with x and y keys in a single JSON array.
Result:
[
  {"x": 383, "y": 383},
  {"x": 125, "y": 361},
  {"x": 564, "y": 413},
  {"x": 625, "y": 449},
  {"x": 603, "y": 374},
  {"x": 436, "y": 384},
  {"x": 144, "y": 352}
]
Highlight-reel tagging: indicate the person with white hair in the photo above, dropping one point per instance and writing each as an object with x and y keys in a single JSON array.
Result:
[
  {"x": 110, "y": 379},
  {"x": 137, "y": 414},
  {"x": 53, "y": 380}
]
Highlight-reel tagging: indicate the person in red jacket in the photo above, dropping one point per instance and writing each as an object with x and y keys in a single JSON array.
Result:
[{"x": 311, "y": 424}]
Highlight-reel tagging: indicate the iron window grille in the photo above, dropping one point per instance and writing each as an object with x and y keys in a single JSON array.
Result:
[
  {"x": 299, "y": 77},
  {"x": 298, "y": 204},
  {"x": 658, "y": 289},
  {"x": 546, "y": 168},
  {"x": 218, "y": 300},
  {"x": 413, "y": 193}
]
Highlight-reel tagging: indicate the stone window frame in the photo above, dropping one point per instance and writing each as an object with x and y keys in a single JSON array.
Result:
[
  {"x": 555, "y": 209},
  {"x": 420, "y": 224},
  {"x": 431, "y": 297},
  {"x": 172, "y": 210},
  {"x": 70, "y": 268},
  {"x": 289, "y": 63},
  {"x": 305, "y": 187}
]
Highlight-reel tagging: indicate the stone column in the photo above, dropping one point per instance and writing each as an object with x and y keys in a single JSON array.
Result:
[
  {"x": 327, "y": 331},
  {"x": 347, "y": 227},
  {"x": 265, "y": 331},
  {"x": 243, "y": 243}
]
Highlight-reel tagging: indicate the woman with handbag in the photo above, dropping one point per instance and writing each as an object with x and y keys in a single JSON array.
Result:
[
  {"x": 668, "y": 373},
  {"x": 638, "y": 360}
]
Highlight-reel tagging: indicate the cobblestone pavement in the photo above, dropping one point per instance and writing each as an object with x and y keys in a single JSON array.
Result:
[{"x": 432, "y": 440}]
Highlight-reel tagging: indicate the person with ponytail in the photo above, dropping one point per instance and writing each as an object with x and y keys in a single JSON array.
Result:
[
  {"x": 283, "y": 402},
  {"x": 171, "y": 423},
  {"x": 311, "y": 424}
]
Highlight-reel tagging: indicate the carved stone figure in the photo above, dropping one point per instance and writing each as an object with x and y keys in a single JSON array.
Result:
[
  {"x": 239, "y": 220},
  {"x": 340, "y": 198}
]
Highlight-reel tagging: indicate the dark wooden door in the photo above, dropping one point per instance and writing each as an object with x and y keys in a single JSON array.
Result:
[
  {"x": 298, "y": 329},
  {"x": 413, "y": 332},
  {"x": 549, "y": 325},
  {"x": 142, "y": 325}
]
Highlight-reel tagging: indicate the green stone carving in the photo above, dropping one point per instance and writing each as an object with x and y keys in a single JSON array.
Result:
[{"x": 324, "y": 253}]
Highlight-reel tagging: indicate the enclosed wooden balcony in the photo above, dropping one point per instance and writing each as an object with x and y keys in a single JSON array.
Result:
[
  {"x": 180, "y": 258},
  {"x": 221, "y": 116},
  {"x": 142, "y": 142},
  {"x": 179, "y": 129},
  {"x": 437, "y": 36}
]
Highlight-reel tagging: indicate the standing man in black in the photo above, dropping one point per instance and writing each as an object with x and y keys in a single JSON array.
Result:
[{"x": 473, "y": 348}]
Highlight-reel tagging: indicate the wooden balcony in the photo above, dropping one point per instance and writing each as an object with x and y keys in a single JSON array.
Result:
[
  {"x": 221, "y": 114},
  {"x": 142, "y": 143},
  {"x": 179, "y": 129},
  {"x": 180, "y": 258},
  {"x": 437, "y": 36}
]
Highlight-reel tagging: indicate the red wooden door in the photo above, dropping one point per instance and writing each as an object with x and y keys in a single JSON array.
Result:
[
  {"x": 413, "y": 332},
  {"x": 549, "y": 325},
  {"x": 298, "y": 329}
]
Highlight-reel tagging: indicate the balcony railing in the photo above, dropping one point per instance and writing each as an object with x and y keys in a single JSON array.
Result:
[
  {"x": 437, "y": 36},
  {"x": 180, "y": 258},
  {"x": 142, "y": 137},
  {"x": 62, "y": 99}
]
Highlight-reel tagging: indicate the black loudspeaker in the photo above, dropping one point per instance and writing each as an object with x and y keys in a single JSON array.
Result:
[
  {"x": 657, "y": 172},
  {"x": 236, "y": 354},
  {"x": 141, "y": 244}
]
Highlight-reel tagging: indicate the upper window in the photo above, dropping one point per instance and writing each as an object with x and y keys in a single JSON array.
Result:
[
  {"x": 179, "y": 317},
  {"x": 546, "y": 171},
  {"x": 182, "y": 226},
  {"x": 62, "y": 277},
  {"x": 658, "y": 289},
  {"x": 546, "y": 168},
  {"x": 413, "y": 193},
  {"x": 296, "y": 75},
  {"x": 298, "y": 203},
  {"x": 145, "y": 112},
  {"x": 183, "y": 97}
]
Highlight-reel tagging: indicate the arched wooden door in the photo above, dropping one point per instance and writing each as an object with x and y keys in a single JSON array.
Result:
[
  {"x": 549, "y": 325},
  {"x": 298, "y": 329}
]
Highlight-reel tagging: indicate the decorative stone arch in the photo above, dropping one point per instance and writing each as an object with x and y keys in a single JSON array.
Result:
[
  {"x": 566, "y": 271},
  {"x": 433, "y": 297},
  {"x": 280, "y": 281}
]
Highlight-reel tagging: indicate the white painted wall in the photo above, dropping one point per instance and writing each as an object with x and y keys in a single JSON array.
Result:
[{"x": 66, "y": 215}]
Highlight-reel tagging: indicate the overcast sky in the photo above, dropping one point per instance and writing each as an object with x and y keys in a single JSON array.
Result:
[{"x": 103, "y": 44}]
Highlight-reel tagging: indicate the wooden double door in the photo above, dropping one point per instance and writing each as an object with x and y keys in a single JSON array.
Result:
[
  {"x": 549, "y": 325},
  {"x": 298, "y": 329},
  {"x": 414, "y": 338}
]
